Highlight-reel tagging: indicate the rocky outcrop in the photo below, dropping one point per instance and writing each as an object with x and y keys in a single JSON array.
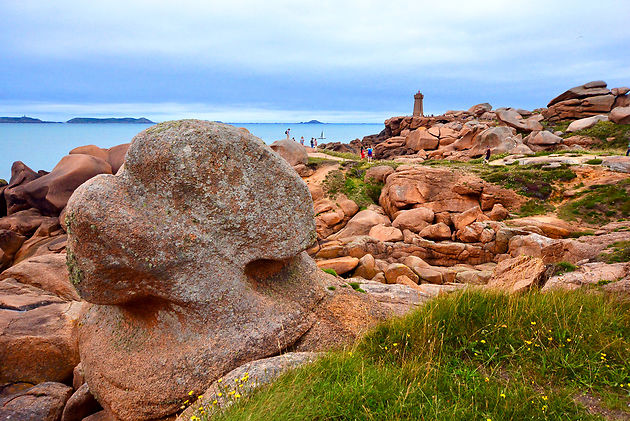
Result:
[
  {"x": 293, "y": 152},
  {"x": 43, "y": 402},
  {"x": 114, "y": 156},
  {"x": 583, "y": 101},
  {"x": 50, "y": 193},
  {"x": 589, "y": 274},
  {"x": 440, "y": 190},
  {"x": 586, "y": 123},
  {"x": 38, "y": 341},
  {"x": 192, "y": 259},
  {"x": 620, "y": 115}
]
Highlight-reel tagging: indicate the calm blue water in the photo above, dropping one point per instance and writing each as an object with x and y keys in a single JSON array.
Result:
[{"x": 41, "y": 146}]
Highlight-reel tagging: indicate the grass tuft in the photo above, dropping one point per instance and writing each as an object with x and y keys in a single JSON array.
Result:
[{"x": 472, "y": 355}]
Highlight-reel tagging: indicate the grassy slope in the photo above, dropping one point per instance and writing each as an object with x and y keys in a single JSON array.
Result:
[{"x": 468, "y": 356}]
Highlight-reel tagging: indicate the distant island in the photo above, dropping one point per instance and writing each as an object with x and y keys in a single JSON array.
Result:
[
  {"x": 24, "y": 119},
  {"x": 311, "y": 122},
  {"x": 125, "y": 120}
]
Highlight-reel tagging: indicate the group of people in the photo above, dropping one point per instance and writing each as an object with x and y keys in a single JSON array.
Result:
[
  {"x": 369, "y": 153},
  {"x": 313, "y": 139}
]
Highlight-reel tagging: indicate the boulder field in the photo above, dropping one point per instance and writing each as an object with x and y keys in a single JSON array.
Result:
[{"x": 133, "y": 276}]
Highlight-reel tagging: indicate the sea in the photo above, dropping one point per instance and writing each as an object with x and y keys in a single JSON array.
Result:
[{"x": 41, "y": 146}]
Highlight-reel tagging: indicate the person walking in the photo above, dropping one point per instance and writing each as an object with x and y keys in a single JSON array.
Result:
[
  {"x": 362, "y": 153},
  {"x": 288, "y": 133},
  {"x": 369, "y": 154},
  {"x": 302, "y": 141},
  {"x": 315, "y": 142},
  {"x": 486, "y": 157},
  {"x": 628, "y": 151},
  {"x": 312, "y": 145}
]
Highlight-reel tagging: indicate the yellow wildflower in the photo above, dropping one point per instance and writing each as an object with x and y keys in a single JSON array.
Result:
[
  {"x": 237, "y": 396},
  {"x": 219, "y": 394},
  {"x": 482, "y": 341},
  {"x": 191, "y": 392},
  {"x": 502, "y": 395},
  {"x": 395, "y": 343},
  {"x": 487, "y": 379},
  {"x": 533, "y": 323},
  {"x": 544, "y": 398},
  {"x": 214, "y": 402}
]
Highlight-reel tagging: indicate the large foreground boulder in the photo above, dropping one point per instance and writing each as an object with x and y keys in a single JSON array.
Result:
[{"x": 192, "y": 257}]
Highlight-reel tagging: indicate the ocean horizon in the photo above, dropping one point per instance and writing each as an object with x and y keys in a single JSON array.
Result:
[{"x": 41, "y": 146}]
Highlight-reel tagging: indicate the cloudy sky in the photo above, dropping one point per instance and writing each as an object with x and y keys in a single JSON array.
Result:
[{"x": 276, "y": 60}]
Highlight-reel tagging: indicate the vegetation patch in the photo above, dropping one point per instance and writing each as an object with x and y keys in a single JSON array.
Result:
[
  {"x": 356, "y": 286},
  {"x": 604, "y": 130},
  {"x": 345, "y": 155},
  {"x": 535, "y": 207},
  {"x": 332, "y": 272},
  {"x": 618, "y": 252},
  {"x": 595, "y": 161},
  {"x": 529, "y": 180},
  {"x": 351, "y": 184},
  {"x": 564, "y": 267},
  {"x": 472, "y": 355},
  {"x": 599, "y": 204}
]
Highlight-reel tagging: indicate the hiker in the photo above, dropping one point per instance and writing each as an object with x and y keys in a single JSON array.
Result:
[
  {"x": 293, "y": 139},
  {"x": 362, "y": 153},
  {"x": 628, "y": 151},
  {"x": 312, "y": 142},
  {"x": 287, "y": 132},
  {"x": 486, "y": 157},
  {"x": 369, "y": 154},
  {"x": 315, "y": 139},
  {"x": 302, "y": 141}
]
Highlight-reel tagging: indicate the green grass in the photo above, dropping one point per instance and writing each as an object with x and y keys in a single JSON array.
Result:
[
  {"x": 599, "y": 204},
  {"x": 619, "y": 252},
  {"x": 528, "y": 180},
  {"x": 535, "y": 207},
  {"x": 604, "y": 130},
  {"x": 345, "y": 155},
  {"x": 332, "y": 272},
  {"x": 564, "y": 267},
  {"x": 314, "y": 160},
  {"x": 351, "y": 184},
  {"x": 356, "y": 286},
  {"x": 472, "y": 355},
  {"x": 595, "y": 161}
]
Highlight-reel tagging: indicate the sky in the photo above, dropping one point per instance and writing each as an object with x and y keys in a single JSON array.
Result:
[{"x": 286, "y": 61}]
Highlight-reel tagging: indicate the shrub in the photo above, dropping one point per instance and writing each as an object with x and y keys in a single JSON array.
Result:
[{"x": 564, "y": 267}]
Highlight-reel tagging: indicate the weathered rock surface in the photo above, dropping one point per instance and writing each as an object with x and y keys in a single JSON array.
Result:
[
  {"x": 291, "y": 151},
  {"x": 620, "y": 115},
  {"x": 39, "y": 338},
  {"x": 43, "y": 402},
  {"x": 586, "y": 123},
  {"x": 47, "y": 272},
  {"x": 518, "y": 274},
  {"x": 441, "y": 190},
  {"x": 114, "y": 156},
  {"x": 192, "y": 259},
  {"x": 80, "y": 405},
  {"x": 361, "y": 224},
  {"x": 588, "y": 274},
  {"x": 340, "y": 265},
  {"x": 587, "y": 100},
  {"x": 50, "y": 193}
]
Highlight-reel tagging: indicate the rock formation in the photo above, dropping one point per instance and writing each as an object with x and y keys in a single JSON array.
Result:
[{"x": 192, "y": 257}]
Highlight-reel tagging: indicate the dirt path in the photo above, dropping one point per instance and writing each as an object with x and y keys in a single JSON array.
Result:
[
  {"x": 322, "y": 171},
  {"x": 325, "y": 156}
]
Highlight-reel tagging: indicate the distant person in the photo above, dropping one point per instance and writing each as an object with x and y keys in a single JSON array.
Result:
[
  {"x": 315, "y": 139},
  {"x": 293, "y": 139},
  {"x": 312, "y": 143},
  {"x": 628, "y": 151},
  {"x": 369, "y": 154},
  {"x": 486, "y": 157},
  {"x": 362, "y": 153},
  {"x": 288, "y": 133},
  {"x": 302, "y": 141}
]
